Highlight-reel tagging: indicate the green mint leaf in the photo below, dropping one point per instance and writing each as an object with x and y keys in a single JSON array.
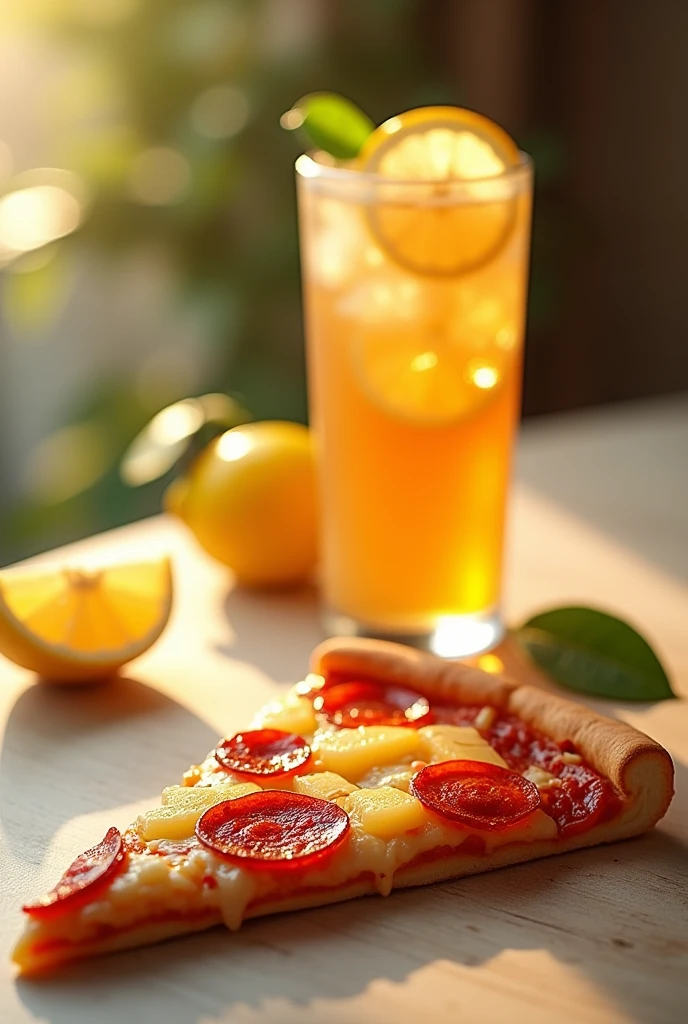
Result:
[
  {"x": 594, "y": 653},
  {"x": 331, "y": 123}
]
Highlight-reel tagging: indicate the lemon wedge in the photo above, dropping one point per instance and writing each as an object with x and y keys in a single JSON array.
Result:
[
  {"x": 77, "y": 625},
  {"x": 455, "y": 211}
]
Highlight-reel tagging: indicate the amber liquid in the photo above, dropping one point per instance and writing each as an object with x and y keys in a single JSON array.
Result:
[{"x": 413, "y": 482}]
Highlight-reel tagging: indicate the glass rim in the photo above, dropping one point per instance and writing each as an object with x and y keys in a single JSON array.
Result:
[{"x": 309, "y": 169}]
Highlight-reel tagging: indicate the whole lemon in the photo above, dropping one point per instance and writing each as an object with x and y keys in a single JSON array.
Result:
[{"x": 250, "y": 500}]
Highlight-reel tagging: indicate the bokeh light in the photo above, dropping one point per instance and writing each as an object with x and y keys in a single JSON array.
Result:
[
  {"x": 220, "y": 112},
  {"x": 67, "y": 462},
  {"x": 103, "y": 13},
  {"x": 483, "y": 376},
  {"x": 491, "y": 663},
  {"x": 31, "y": 217},
  {"x": 233, "y": 446},
  {"x": 160, "y": 175},
  {"x": 506, "y": 338},
  {"x": 424, "y": 361}
]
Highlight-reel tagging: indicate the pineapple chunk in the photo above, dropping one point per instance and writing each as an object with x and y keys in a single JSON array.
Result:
[
  {"x": 353, "y": 752},
  {"x": 386, "y": 812},
  {"x": 325, "y": 785},
  {"x": 292, "y": 714},
  {"x": 182, "y": 806},
  {"x": 456, "y": 743}
]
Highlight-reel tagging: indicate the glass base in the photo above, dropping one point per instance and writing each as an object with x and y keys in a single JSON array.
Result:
[{"x": 453, "y": 636}]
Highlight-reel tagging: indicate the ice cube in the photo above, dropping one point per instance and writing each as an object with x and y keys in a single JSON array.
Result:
[
  {"x": 384, "y": 297},
  {"x": 339, "y": 243}
]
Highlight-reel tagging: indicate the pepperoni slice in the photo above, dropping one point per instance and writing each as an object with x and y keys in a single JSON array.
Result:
[
  {"x": 580, "y": 801},
  {"x": 274, "y": 829},
  {"x": 264, "y": 753},
  {"x": 349, "y": 705},
  {"x": 473, "y": 793},
  {"x": 90, "y": 872}
]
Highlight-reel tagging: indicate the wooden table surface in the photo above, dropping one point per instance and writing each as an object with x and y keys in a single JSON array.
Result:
[{"x": 599, "y": 515}]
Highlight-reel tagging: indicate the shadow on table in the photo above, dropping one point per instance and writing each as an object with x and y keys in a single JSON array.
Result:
[
  {"x": 56, "y": 733},
  {"x": 274, "y": 630},
  {"x": 608, "y": 466},
  {"x": 583, "y": 908}
]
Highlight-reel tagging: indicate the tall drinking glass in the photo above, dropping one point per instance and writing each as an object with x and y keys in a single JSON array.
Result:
[{"x": 414, "y": 297}]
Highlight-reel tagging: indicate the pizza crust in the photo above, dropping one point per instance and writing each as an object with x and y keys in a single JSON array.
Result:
[
  {"x": 33, "y": 961},
  {"x": 639, "y": 768}
]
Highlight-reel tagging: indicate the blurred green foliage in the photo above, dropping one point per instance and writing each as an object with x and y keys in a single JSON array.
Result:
[
  {"x": 205, "y": 81},
  {"x": 169, "y": 111}
]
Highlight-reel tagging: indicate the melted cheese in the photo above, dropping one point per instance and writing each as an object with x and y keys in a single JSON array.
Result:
[
  {"x": 236, "y": 887},
  {"x": 389, "y": 828},
  {"x": 177, "y": 884}
]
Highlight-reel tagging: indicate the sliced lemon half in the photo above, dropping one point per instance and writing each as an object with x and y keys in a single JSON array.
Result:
[
  {"x": 452, "y": 210},
  {"x": 77, "y": 625}
]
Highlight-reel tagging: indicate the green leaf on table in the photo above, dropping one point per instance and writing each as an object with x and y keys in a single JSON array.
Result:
[
  {"x": 594, "y": 653},
  {"x": 331, "y": 122}
]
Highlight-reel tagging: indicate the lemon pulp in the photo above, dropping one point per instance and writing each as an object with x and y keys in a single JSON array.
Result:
[{"x": 71, "y": 623}]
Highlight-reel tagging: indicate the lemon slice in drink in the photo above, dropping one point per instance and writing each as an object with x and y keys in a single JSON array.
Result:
[
  {"x": 75, "y": 625},
  {"x": 430, "y": 383},
  {"x": 449, "y": 213}
]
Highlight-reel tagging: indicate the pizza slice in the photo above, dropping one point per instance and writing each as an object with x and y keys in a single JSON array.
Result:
[{"x": 385, "y": 768}]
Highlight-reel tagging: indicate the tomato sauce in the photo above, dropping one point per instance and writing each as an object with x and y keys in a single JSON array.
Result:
[{"x": 583, "y": 798}]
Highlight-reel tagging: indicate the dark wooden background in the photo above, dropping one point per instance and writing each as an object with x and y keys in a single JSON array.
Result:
[{"x": 600, "y": 89}]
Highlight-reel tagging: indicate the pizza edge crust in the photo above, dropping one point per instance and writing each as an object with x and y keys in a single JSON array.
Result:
[
  {"x": 638, "y": 767},
  {"x": 36, "y": 963}
]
